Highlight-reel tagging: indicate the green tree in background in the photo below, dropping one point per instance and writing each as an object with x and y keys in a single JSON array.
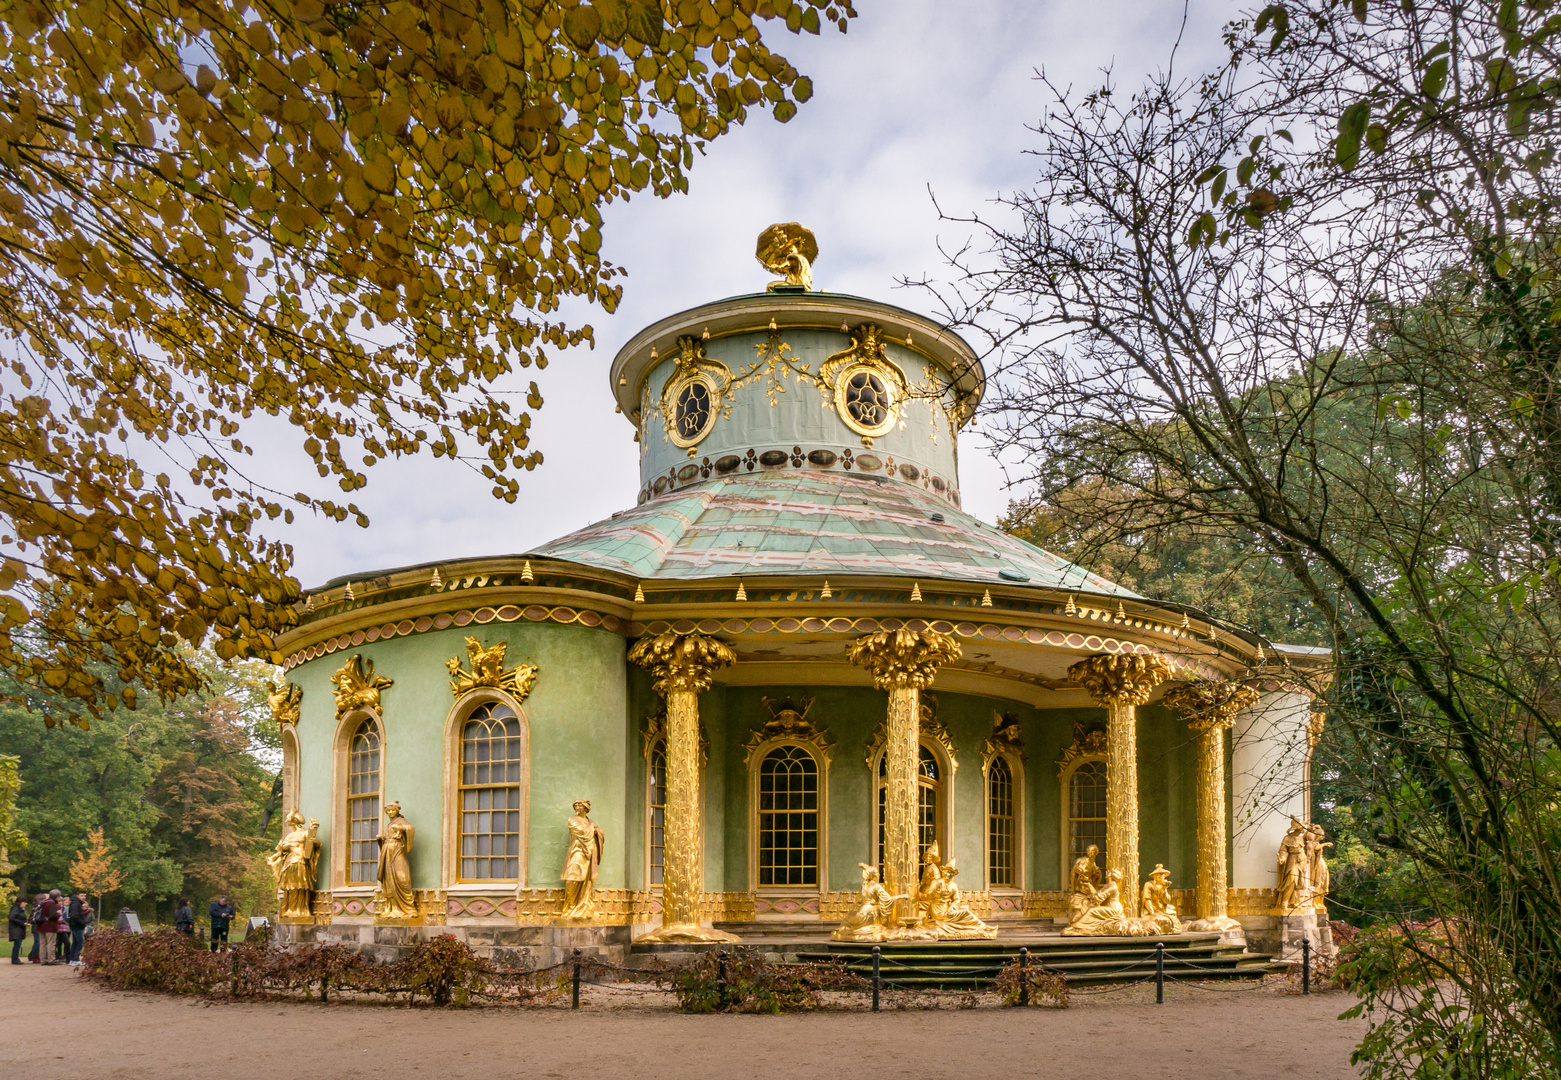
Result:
[{"x": 12, "y": 840}]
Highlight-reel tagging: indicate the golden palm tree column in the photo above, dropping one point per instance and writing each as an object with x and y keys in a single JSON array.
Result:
[
  {"x": 903, "y": 662},
  {"x": 1122, "y": 683},
  {"x": 1210, "y": 707},
  {"x": 682, "y": 665}
]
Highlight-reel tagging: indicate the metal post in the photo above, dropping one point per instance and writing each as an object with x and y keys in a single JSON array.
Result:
[
  {"x": 1024, "y": 976},
  {"x": 877, "y": 982},
  {"x": 1159, "y": 973},
  {"x": 720, "y": 977},
  {"x": 575, "y": 1003},
  {"x": 1306, "y": 965}
]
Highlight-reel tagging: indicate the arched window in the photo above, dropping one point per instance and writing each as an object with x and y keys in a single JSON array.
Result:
[
  {"x": 491, "y": 761},
  {"x": 1001, "y": 825},
  {"x": 656, "y": 807},
  {"x": 1087, "y": 810},
  {"x": 363, "y": 792},
  {"x": 929, "y": 804},
  {"x": 788, "y": 810}
]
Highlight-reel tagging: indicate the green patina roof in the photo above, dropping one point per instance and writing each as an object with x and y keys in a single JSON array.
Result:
[{"x": 812, "y": 522}]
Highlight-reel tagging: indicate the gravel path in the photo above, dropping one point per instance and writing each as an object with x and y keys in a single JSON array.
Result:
[{"x": 61, "y": 1025}]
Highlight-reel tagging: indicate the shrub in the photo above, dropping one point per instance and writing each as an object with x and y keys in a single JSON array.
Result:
[
  {"x": 1046, "y": 987},
  {"x": 743, "y": 981}
]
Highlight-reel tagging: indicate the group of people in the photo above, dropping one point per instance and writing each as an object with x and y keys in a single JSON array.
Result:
[{"x": 60, "y": 927}]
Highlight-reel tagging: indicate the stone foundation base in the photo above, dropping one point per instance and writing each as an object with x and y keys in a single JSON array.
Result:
[
  {"x": 1281, "y": 935},
  {"x": 510, "y": 946}
]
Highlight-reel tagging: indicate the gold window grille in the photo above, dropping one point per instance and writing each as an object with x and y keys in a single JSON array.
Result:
[
  {"x": 929, "y": 796},
  {"x": 490, "y": 794},
  {"x": 1000, "y": 824},
  {"x": 363, "y": 790},
  {"x": 1087, "y": 809},
  {"x": 788, "y": 818},
  {"x": 656, "y": 808}
]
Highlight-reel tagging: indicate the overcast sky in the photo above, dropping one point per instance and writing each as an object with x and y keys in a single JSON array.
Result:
[{"x": 922, "y": 97}]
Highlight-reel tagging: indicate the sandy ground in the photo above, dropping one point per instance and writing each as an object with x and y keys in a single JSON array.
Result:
[{"x": 61, "y": 1025}]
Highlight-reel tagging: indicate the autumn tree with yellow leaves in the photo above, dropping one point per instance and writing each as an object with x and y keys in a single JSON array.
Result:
[{"x": 359, "y": 217}]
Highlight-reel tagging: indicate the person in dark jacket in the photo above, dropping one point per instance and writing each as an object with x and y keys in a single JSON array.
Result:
[
  {"x": 16, "y": 924},
  {"x": 77, "y": 914},
  {"x": 184, "y": 917},
  {"x": 48, "y": 928},
  {"x": 221, "y": 913},
  {"x": 33, "y": 920}
]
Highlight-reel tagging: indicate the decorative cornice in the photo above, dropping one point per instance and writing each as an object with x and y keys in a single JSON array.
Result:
[
  {"x": 1004, "y": 739},
  {"x": 1210, "y": 703},
  {"x": 903, "y": 657},
  {"x": 787, "y": 723},
  {"x": 286, "y": 702},
  {"x": 1122, "y": 680},
  {"x": 1086, "y": 746},
  {"x": 487, "y": 670},
  {"x": 357, "y": 687},
  {"x": 681, "y": 662},
  {"x": 931, "y": 728}
]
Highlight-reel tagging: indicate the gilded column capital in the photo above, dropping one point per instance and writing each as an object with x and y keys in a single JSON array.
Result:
[
  {"x": 1117, "y": 679},
  {"x": 903, "y": 658},
  {"x": 1210, "y": 703},
  {"x": 681, "y": 661}
]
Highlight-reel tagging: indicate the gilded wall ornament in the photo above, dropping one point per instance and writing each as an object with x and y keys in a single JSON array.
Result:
[
  {"x": 787, "y": 722},
  {"x": 930, "y": 728},
  {"x": 697, "y": 391},
  {"x": 789, "y": 249},
  {"x": 488, "y": 670},
  {"x": 286, "y": 702},
  {"x": 869, "y": 390},
  {"x": 1086, "y": 745},
  {"x": 358, "y": 687},
  {"x": 1005, "y": 739}
]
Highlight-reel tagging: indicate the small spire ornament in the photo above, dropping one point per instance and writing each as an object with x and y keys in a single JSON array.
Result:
[
  {"x": 639, "y": 593},
  {"x": 742, "y": 593},
  {"x": 1121, "y": 615},
  {"x": 1072, "y": 608},
  {"x": 1186, "y": 622},
  {"x": 525, "y": 571},
  {"x": 349, "y": 594},
  {"x": 309, "y": 602},
  {"x": 915, "y": 592},
  {"x": 826, "y": 592},
  {"x": 436, "y": 582},
  {"x": 1261, "y": 656},
  {"x": 986, "y": 598}
]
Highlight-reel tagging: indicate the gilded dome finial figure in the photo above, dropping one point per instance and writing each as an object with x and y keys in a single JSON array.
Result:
[
  {"x": 293, "y": 863},
  {"x": 395, "y": 898},
  {"x": 586, "y": 841},
  {"x": 1082, "y": 883},
  {"x": 788, "y": 249}
]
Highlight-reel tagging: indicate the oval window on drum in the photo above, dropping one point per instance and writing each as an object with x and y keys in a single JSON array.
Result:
[{"x": 693, "y": 410}]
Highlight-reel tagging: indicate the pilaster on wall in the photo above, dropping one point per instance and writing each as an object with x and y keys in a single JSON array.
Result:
[{"x": 1268, "y": 771}]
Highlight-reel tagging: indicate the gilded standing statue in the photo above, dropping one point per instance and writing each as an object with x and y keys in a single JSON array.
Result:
[
  {"x": 294, "y": 862},
  {"x": 584, "y": 858},
  {"x": 395, "y": 898}
]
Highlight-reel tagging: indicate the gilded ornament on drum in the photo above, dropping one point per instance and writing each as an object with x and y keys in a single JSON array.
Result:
[
  {"x": 696, "y": 393},
  {"x": 868, "y": 389},
  {"x": 286, "y": 702},
  {"x": 358, "y": 687},
  {"x": 789, "y": 249},
  {"x": 488, "y": 670}
]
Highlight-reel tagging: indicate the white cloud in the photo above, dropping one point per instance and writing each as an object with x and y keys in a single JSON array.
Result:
[{"x": 921, "y": 94}]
